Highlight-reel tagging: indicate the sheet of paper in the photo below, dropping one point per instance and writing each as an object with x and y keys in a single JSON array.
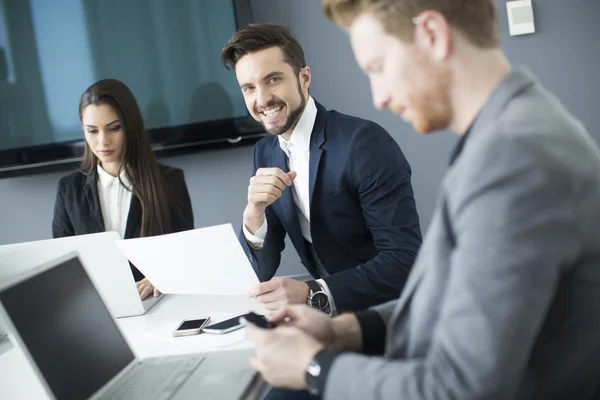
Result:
[{"x": 200, "y": 261}]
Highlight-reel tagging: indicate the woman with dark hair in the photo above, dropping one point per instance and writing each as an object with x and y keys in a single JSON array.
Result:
[{"x": 120, "y": 186}]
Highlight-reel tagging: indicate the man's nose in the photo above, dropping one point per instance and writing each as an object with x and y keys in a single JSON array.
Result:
[
  {"x": 263, "y": 97},
  {"x": 381, "y": 98}
]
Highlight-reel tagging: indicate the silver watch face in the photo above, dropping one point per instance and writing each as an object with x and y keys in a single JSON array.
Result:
[
  {"x": 319, "y": 300},
  {"x": 314, "y": 369}
]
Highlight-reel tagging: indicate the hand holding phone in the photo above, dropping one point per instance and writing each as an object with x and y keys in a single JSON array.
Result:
[{"x": 191, "y": 326}]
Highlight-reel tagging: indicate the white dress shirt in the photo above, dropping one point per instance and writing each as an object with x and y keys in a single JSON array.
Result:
[
  {"x": 115, "y": 200},
  {"x": 297, "y": 150}
]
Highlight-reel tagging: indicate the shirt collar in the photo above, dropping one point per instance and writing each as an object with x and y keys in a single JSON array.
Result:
[
  {"x": 107, "y": 179},
  {"x": 300, "y": 137}
]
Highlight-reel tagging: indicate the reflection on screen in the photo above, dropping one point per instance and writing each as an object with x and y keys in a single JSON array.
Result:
[{"x": 192, "y": 324}]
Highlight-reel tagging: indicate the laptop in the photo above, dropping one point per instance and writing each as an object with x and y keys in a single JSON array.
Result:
[
  {"x": 59, "y": 321},
  {"x": 104, "y": 262}
]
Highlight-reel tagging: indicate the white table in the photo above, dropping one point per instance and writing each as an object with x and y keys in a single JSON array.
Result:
[
  {"x": 151, "y": 335},
  {"x": 148, "y": 335}
]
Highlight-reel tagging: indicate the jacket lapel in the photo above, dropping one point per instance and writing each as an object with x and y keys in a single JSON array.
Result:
[
  {"x": 317, "y": 138},
  {"x": 93, "y": 199}
]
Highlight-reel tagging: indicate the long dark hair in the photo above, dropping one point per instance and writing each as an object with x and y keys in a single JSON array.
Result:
[{"x": 148, "y": 183}]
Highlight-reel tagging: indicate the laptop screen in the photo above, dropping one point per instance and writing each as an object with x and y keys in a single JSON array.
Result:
[{"x": 67, "y": 329}]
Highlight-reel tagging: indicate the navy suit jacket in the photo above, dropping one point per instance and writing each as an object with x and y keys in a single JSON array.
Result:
[{"x": 363, "y": 219}]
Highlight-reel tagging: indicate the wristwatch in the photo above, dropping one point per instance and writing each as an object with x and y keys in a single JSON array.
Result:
[
  {"x": 317, "y": 370},
  {"x": 313, "y": 371},
  {"x": 317, "y": 298}
]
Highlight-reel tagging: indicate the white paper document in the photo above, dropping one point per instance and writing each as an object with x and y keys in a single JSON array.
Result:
[{"x": 200, "y": 261}]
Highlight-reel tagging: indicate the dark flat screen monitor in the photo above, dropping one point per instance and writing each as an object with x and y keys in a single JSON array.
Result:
[{"x": 166, "y": 52}]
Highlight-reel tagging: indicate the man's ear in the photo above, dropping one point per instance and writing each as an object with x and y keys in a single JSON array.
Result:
[
  {"x": 304, "y": 77},
  {"x": 433, "y": 35}
]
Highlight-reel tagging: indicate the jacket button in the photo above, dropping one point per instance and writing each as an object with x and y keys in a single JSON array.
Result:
[{"x": 250, "y": 258}]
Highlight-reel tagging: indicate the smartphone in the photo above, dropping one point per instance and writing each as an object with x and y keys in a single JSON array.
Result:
[
  {"x": 228, "y": 325},
  {"x": 191, "y": 326},
  {"x": 259, "y": 320}
]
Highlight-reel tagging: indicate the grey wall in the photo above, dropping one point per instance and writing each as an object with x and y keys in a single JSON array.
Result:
[{"x": 562, "y": 53}]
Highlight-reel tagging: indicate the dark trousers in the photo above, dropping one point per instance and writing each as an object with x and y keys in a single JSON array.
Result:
[{"x": 287, "y": 394}]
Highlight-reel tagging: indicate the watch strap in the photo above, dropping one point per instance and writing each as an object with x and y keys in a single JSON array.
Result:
[
  {"x": 322, "y": 363},
  {"x": 314, "y": 287}
]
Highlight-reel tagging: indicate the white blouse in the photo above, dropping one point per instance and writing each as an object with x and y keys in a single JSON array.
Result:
[{"x": 115, "y": 200}]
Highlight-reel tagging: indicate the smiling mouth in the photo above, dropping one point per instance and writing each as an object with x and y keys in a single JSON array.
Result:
[{"x": 271, "y": 112}]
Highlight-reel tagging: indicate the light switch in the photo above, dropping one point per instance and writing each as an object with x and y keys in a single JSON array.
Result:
[{"x": 520, "y": 17}]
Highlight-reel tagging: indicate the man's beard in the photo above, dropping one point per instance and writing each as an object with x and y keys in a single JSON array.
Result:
[{"x": 431, "y": 105}]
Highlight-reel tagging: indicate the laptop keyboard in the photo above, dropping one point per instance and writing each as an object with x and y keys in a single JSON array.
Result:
[{"x": 154, "y": 378}]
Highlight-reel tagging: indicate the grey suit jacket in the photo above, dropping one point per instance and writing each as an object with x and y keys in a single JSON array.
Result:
[{"x": 504, "y": 298}]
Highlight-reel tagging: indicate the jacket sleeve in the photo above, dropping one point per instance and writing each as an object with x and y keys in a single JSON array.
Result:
[
  {"x": 266, "y": 260},
  {"x": 503, "y": 277},
  {"x": 381, "y": 177},
  {"x": 61, "y": 223}
]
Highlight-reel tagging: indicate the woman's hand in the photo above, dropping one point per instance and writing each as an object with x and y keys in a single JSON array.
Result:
[{"x": 145, "y": 289}]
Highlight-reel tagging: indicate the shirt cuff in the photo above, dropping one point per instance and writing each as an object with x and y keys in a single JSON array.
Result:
[
  {"x": 332, "y": 308},
  {"x": 325, "y": 359},
  {"x": 257, "y": 241},
  {"x": 373, "y": 331}
]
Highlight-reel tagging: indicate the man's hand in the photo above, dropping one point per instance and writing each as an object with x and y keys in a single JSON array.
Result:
[
  {"x": 316, "y": 323},
  {"x": 341, "y": 333},
  {"x": 145, "y": 289},
  {"x": 279, "y": 292},
  {"x": 265, "y": 187},
  {"x": 283, "y": 354}
]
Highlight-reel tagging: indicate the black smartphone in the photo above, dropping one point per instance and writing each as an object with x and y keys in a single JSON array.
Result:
[
  {"x": 259, "y": 320},
  {"x": 191, "y": 326},
  {"x": 228, "y": 325}
]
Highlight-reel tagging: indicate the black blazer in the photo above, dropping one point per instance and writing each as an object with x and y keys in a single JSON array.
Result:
[
  {"x": 77, "y": 209},
  {"x": 363, "y": 219}
]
